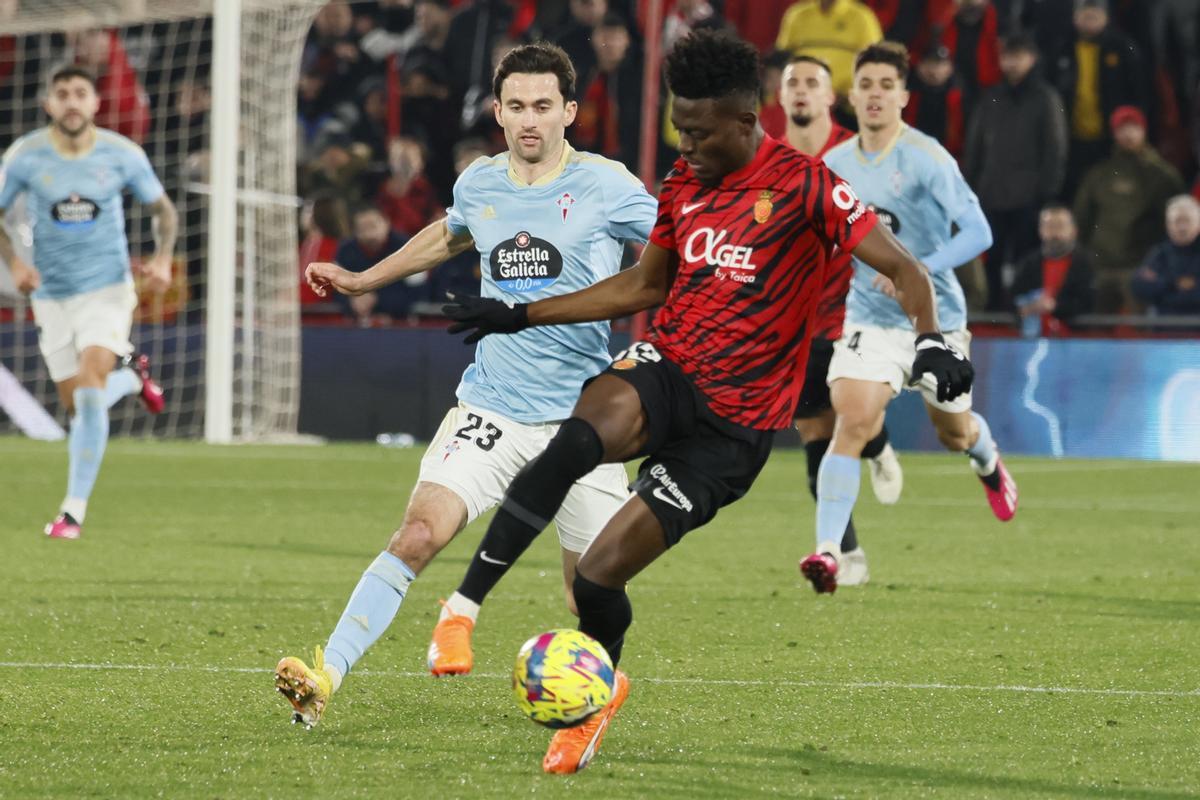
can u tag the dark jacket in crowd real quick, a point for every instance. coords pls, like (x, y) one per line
(395, 299)
(1121, 204)
(1123, 77)
(1016, 148)
(1167, 266)
(1076, 295)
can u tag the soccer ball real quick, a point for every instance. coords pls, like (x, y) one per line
(562, 677)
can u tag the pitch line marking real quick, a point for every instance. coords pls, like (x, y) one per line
(851, 685)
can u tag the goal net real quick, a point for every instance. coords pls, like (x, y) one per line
(154, 59)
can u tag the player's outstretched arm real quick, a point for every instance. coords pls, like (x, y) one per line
(25, 276)
(432, 245)
(642, 286)
(165, 224)
(881, 251)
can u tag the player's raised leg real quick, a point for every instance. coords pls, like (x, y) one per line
(434, 515)
(606, 426)
(859, 405)
(631, 540)
(968, 432)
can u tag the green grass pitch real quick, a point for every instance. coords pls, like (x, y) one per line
(1055, 656)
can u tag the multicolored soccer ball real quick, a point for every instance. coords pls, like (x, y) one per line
(562, 677)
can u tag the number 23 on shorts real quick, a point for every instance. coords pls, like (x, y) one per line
(484, 435)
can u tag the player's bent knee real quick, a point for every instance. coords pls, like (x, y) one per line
(415, 543)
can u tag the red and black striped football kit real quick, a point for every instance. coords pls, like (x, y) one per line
(753, 255)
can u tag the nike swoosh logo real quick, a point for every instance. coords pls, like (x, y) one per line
(661, 494)
(362, 620)
(690, 207)
(483, 556)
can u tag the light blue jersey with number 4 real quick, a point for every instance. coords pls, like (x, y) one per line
(915, 187)
(75, 207)
(559, 235)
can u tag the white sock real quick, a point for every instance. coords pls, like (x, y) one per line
(76, 507)
(335, 678)
(460, 606)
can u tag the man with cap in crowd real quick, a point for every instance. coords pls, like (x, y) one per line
(1120, 208)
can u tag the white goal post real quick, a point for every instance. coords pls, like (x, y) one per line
(208, 88)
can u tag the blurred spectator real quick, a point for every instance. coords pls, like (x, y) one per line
(1097, 71)
(407, 198)
(685, 17)
(833, 31)
(473, 32)
(935, 100)
(610, 96)
(460, 274)
(372, 240)
(323, 224)
(576, 35)
(368, 117)
(1051, 24)
(1120, 208)
(427, 114)
(900, 19)
(314, 106)
(338, 167)
(332, 48)
(1053, 282)
(1169, 282)
(124, 106)
(1015, 158)
(757, 21)
(771, 115)
(969, 30)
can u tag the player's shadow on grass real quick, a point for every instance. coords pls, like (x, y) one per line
(821, 765)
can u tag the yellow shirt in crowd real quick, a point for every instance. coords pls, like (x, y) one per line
(835, 36)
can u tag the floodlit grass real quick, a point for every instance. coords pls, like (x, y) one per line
(1054, 656)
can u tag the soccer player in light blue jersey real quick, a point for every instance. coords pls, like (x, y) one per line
(914, 186)
(545, 220)
(72, 175)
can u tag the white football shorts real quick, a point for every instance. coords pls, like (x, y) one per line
(885, 355)
(99, 318)
(477, 453)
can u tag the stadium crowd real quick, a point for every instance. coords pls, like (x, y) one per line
(1077, 123)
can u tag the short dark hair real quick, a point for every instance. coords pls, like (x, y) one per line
(1055, 207)
(72, 71)
(712, 64)
(537, 58)
(807, 59)
(366, 208)
(892, 53)
(1019, 42)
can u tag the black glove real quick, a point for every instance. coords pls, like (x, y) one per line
(483, 315)
(950, 368)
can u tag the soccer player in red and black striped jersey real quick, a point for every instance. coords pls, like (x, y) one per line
(736, 261)
(807, 96)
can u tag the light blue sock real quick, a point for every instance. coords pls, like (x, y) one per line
(983, 452)
(121, 383)
(85, 446)
(369, 611)
(837, 492)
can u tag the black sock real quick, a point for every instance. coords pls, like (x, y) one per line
(604, 614)
(815, 450)
(532, 500)
(874, 447)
